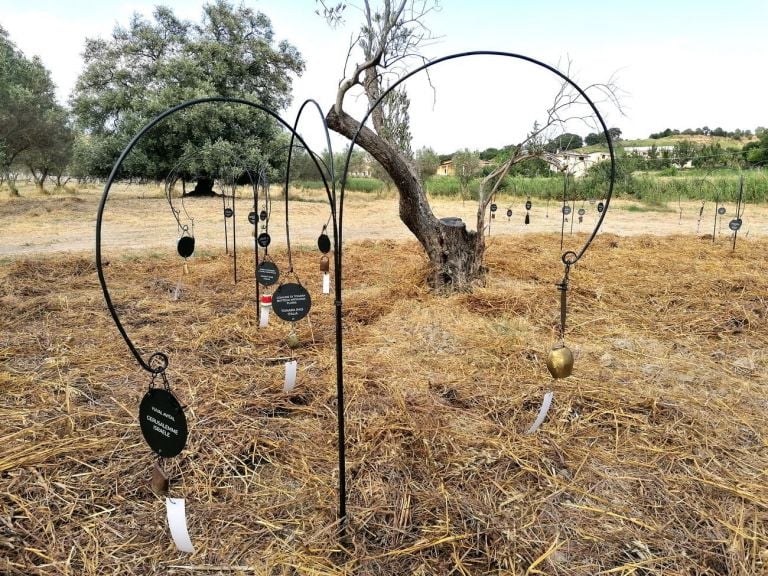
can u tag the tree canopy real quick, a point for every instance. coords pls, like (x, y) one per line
(151, 65)
(34, 131)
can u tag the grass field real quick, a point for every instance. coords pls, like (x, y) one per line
(651, 461)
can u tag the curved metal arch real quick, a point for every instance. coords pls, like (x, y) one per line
(158, 362)
(330, 191)
(568, 258)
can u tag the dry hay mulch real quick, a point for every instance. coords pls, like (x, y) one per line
(652, 460)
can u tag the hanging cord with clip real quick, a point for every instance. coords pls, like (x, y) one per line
(562, 286)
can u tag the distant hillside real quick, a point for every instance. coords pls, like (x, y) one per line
(724, 141)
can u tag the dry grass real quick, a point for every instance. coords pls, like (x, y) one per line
(652, 461)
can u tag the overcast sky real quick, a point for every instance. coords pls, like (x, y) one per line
(680, 63)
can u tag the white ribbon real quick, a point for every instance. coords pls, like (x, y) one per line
(545, 404)
(177, 522)
(290, 376)
(326, 283)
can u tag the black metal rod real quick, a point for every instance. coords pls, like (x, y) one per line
(234, 230)
(562, 210)
(738, 209)
(255, 244)
(224, 208)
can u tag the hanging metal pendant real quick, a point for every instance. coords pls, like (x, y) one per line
(186, 269)
(560, 361)
(528, 204)
(291, 302)
(186, 246)
(252, 217)
(325, 264)
(163, 423)
(509, 212)
(292, 339)
(527, 218)
(264, 239)
(324, 243)
(159, 481)
(267, 273)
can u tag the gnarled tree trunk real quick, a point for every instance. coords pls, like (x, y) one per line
(455, 254)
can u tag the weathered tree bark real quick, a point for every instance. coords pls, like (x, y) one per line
(204, 187)
(455, 254)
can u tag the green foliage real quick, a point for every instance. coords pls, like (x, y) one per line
(150, 66)
(595, 138)
(565, 141)
(756, 153)
(34, 128)
(368, 185)
(466, 166)
(427, 163)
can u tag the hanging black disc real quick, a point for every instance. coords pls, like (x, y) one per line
(528, 204)
(566, 210)
(600, 207)
(582, 211)
(267, 273)
(228, 212)
(263, 215)
(735, 224)
(185, 246)
(264, 239)
(291, 302)
(509, 213)
(163, 423)
(527, 218)
(721, 210)
(324, 243)
(252, 217)
(494, 207)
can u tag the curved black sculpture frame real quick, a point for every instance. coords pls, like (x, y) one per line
(158, 361)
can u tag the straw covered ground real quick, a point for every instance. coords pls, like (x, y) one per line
(652, 460)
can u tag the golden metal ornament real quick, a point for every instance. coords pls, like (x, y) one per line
(560, 361)
(186, 268)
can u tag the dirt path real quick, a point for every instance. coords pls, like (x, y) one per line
(135, 219)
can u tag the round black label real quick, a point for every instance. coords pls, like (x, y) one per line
(721, 210)
(582, 211)
(162, 422)
(185, 246)
(494, 207)
(324, 243)
(734, 224)
(228, 212)
(264, 239)
(528, 205)
(263, 215)
(566, 210)
(291, 302)
(600, 206)
(509, 213)
(267, 273)
(252, 217)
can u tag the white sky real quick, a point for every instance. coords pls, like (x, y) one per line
(681, 63)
